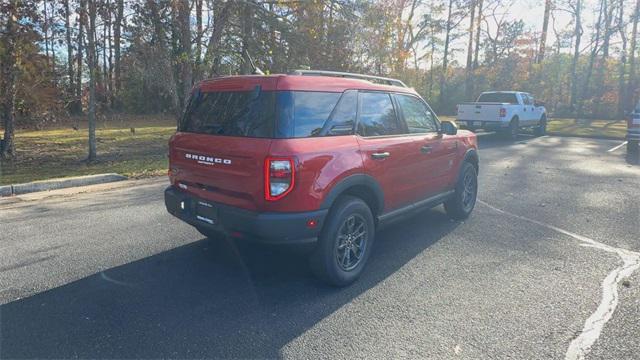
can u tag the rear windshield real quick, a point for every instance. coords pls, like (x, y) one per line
(270, 114)
(498, 98)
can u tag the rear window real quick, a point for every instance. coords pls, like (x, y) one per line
(277, 114)
(498, 98)
(237, 113)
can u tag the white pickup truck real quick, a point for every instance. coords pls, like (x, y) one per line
(503, 111)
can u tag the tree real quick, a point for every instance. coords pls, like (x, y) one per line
(545, 28)
(93, 69)
(577, 10)
(117, 31)
(9, 75)
(623, 59)
(633, 80)
(469, 79)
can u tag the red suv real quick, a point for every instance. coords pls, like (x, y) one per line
(315, 157)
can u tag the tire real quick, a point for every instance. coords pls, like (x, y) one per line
(331, 260)
(541, 129)
(513, 130)
(463, 200)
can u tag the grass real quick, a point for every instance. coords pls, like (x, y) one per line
(61, 152)
(614, 129)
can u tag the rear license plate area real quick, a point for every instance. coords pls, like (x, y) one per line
(206, 212)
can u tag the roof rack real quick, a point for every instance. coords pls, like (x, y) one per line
(386, 80)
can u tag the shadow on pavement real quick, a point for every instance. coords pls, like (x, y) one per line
(210, 298)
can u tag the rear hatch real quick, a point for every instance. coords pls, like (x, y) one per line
(222, 141)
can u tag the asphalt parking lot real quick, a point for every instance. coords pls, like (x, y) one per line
(536, 272)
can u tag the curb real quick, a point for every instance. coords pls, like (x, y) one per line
(53, 184)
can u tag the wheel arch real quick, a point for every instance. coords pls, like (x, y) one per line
(362, 186)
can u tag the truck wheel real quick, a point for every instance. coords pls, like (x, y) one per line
(513, 130)
(345, 242)
(463, 200)
(541, 129)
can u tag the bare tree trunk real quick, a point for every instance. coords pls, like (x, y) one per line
(632, 84)
(117, 30)
(82, 19)
(220, 20)
(576, 54)
(93, 68)
(198, 55)
(247, 35)
(478, 29)
(159, 39)
(592, 58)
(10, 74)
(45, 30)
(73, 103)
(545, 28)
(623, 60)
(185, 49)
(445, 57)
(469, 71)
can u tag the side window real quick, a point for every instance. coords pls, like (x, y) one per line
(417, 115)
(377, 116)
(343, 116)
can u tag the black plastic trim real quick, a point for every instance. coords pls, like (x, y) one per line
(355, 180)
(430, 202)
(268, 227)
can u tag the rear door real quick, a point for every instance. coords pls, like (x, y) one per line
(388, 153)
(221, 143)
(435, 153)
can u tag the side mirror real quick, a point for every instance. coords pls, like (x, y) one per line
(448, 128)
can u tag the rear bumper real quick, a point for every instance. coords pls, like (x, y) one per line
(480, 124)
(275, 228)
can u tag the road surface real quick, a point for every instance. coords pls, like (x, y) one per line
(534, 273)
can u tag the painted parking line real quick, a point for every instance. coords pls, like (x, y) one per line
(581, 345)
(617, 147)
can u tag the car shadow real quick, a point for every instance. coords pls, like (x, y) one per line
(210, 298)
(488, 140)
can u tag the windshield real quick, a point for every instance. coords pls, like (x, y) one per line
(508, 98)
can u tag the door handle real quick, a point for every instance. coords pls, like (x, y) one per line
(380, 156)
(426, 149)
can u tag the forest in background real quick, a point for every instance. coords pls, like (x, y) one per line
(97, 57)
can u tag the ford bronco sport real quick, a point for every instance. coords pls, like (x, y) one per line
(315, 157)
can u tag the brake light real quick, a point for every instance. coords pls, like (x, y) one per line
(279, 177)
(503, 112)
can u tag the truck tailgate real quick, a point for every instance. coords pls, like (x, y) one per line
(479, 112)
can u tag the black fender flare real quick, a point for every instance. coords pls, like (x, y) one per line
(355, 180)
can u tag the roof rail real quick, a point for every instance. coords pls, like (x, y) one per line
(388, 81)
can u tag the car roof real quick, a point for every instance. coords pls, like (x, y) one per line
(295, 83)
(504, 92)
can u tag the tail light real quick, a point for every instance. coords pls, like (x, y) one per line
(279, 177)
(503, 112)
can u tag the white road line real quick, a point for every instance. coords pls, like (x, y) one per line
(617, 147)
(580, 346)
